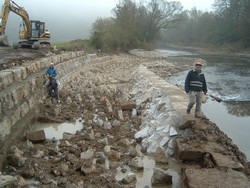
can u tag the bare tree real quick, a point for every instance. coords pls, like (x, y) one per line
(136, 25)
(162, 15)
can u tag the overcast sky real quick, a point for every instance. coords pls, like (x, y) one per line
(72, 19)
(204, 5)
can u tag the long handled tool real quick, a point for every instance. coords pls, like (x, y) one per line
(218, 99)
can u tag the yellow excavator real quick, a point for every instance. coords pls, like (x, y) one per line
(33, 33)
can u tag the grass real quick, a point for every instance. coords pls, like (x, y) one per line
(74, 45)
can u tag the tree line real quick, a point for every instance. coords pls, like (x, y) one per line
(142, 25)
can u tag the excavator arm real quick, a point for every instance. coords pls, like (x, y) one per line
(8, 6)
(3, 22)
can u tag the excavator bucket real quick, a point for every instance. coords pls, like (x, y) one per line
(4, 41)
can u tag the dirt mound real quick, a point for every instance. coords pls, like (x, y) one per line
(14, 57)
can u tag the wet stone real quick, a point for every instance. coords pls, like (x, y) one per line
(68, 136)
(129, 178)
(161, 156)
(136, 163)
(37, 136)
(160, 177)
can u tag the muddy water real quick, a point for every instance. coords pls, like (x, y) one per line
(56, 130)
(236, 127)
(227, 78)
(144, 177)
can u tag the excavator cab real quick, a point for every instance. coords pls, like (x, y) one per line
(37, 29)
(37, 36)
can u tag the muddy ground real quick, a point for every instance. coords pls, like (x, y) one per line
(102, 92)
(10, 57)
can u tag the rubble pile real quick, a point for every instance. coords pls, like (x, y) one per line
(125, 119)
(101, 99)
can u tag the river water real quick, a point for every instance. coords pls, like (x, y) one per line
(227, 78)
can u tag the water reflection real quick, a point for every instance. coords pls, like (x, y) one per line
(227, 78)
(175, 53)
(236, 127)
(56, 130)
(240, 108)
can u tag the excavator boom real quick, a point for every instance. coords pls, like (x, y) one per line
(3, 21)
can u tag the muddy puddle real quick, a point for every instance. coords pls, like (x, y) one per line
(56, 130)
(144, 177)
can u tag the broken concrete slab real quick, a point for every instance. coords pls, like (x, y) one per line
(197, 178)
(227, 161)
(187, 152)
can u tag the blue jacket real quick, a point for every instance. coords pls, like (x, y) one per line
(51, 71)
(195, 81)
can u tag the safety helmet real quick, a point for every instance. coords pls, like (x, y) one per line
(198, 64)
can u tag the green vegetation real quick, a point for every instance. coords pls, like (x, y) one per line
(146, 24)
(74, 45)
(134, 26)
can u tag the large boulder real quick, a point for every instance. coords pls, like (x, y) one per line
(37, 136)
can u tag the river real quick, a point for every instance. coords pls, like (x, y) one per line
(227, 78)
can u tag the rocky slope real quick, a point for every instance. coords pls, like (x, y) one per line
(109, 151)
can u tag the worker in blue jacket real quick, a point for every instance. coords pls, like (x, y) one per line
(195, 84)
(51, 71)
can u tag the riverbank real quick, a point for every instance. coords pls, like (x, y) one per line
(127, 110)
(202, 50)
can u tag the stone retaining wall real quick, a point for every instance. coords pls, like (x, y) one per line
(21, 90)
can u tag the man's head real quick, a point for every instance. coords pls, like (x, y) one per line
(198, 66)
(51, 64)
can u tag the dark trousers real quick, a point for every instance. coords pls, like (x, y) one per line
(53, 92)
